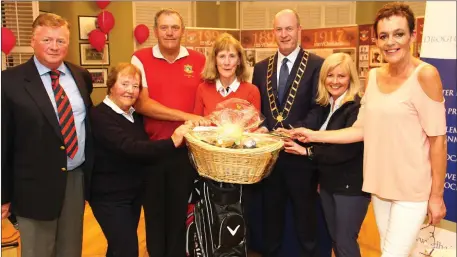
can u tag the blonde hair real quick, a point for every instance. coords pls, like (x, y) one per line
(122, 68)
(346, 63)
(225, 41)
(49, 20)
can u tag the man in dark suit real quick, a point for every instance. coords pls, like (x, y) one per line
(46, 143)
(288, 85)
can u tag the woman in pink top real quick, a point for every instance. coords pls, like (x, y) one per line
(403, 125)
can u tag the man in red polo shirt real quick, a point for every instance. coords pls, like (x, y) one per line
(170, 77)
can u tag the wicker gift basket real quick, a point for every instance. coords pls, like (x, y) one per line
(240, 166)
(227, 152)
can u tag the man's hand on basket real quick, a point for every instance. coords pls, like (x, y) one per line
(262, 129)
(178, 134)
(283, 130)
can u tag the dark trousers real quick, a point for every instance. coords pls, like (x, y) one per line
(167, 193)
(294, 178)
(119, 222)
(344, 215)
(249, 196)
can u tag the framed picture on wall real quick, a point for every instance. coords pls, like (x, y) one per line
(90, 56)
(250, 57)
(99, 76)
(375, 57)
(85, 25)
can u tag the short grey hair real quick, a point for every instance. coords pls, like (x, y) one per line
(167, 11)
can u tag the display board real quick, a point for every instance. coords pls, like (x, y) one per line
(369, 54)
(202, 39)
(419, 36)
(325, 41)
(436, 45)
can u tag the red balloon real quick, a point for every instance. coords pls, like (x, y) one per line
(97, 39)
(105, 21)
(141, 33)
(103, 4)
(8, 40)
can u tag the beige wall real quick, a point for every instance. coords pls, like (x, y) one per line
(223, 15)
(120, 37)
(45, 6)
(213, 15)
(366, 11)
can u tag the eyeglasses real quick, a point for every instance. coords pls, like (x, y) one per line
(429, 242)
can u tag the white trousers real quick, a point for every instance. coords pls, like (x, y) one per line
(398, 223)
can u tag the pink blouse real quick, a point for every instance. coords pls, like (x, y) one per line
(396, 129)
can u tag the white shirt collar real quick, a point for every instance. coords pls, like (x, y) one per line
(42, 70)
(128, 115)
(337, 104)
(157, 54)
(232, 87)
(333, 108)
(292, 56)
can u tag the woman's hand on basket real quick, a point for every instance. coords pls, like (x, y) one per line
(178, 134)
(292, 147)
(302, 134)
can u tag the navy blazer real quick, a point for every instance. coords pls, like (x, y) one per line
(33, 179)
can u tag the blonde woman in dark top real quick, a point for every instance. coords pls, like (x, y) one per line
(340, 166)
(123, 153)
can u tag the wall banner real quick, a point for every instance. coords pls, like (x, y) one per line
(438, 47)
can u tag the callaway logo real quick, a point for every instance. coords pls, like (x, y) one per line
(233, 232)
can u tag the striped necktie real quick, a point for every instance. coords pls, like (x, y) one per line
(66, 118)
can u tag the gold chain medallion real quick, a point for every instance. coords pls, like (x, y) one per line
(282, 115)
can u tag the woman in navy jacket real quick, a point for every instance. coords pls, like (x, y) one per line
(340, 166)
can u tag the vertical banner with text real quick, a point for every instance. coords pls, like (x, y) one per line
(438, 47)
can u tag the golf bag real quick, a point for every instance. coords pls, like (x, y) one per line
(217, 221)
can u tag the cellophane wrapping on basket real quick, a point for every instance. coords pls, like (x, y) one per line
(233, 119)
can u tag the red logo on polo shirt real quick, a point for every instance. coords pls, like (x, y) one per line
(188, 70)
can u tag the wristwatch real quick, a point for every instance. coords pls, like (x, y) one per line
(310, 152)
